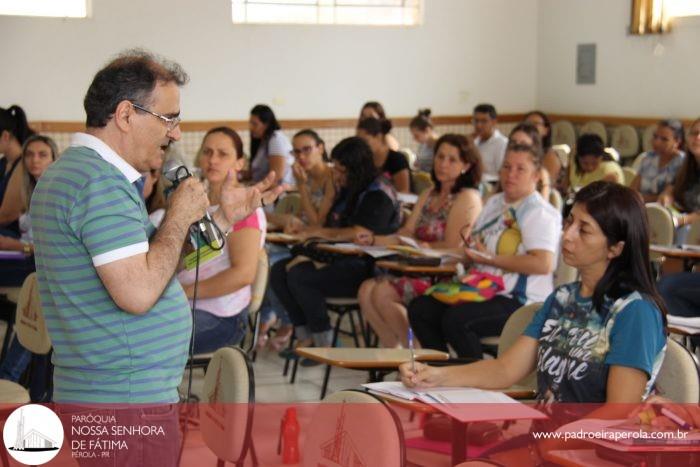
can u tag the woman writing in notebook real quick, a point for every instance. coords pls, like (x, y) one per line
(601, 339)
(436, 221)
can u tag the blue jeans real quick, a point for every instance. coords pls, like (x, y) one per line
(271, 305)
(213, 332)
(15, 364)
(681, 293)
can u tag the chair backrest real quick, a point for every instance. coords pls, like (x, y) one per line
(354, 428)
(564, 274)
(514, 327)
(257, 289)
(596, 128)
(410, 156)
(421, 182)
(290, 204)
(648, 137)
(625, 139)
(563, 153)
(555, 199)
(563, 132)
(29, 321)
(678, 378)
(629, 174)
(637, 163)
(694, 234)
(612, 152)
(660, 224)
(229, 396)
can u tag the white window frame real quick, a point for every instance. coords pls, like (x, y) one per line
(239, 7)
(47, 8)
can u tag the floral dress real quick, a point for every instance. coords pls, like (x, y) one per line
(430, 227)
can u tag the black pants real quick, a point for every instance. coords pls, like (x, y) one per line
(436, 324)
(303, 290)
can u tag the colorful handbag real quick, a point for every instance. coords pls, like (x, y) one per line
(474, 286)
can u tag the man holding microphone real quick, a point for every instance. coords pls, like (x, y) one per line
(119, 321)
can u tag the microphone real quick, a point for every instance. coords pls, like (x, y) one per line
(175, 174)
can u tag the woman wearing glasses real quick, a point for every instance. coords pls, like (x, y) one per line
(269, 147)
(314, 182)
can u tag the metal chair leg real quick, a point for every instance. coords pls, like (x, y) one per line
(326, 377)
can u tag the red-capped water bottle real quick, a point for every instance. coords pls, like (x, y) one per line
(290, 437)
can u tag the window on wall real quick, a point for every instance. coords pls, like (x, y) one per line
(358, 12)
(675, 8)
(55, 8)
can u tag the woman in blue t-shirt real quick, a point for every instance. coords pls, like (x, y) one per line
(601, 339)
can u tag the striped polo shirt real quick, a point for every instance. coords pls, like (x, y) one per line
(86, 213)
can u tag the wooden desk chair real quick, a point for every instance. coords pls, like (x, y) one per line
(227, 417)
(660, 224)
(514, 327)
(563, 132)
(257, 293)
(679, 378)
(596, 128)
(354, 427)
(625, 139)
(31, 330)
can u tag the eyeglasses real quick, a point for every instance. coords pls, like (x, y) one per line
(170, 122)
(305, 150)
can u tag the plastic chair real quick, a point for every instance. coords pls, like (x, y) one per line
(556, 200)
(354, 427)
(564, 274)
(227, 416)
(694, 234)
(514, 327)
(410, 156)
(421, 182)
(678, 378)
(637, 163)
(596, 128)
(563, 132)
(625, 139)
(648, 137)
(660, 224)
(629, 174)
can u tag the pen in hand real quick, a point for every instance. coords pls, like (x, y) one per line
(412, 349)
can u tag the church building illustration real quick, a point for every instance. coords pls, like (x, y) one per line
(32, 440)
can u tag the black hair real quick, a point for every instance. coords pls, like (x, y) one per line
(422, 121)
(132, 76)
(468, 154)
(267, 117)
(355, 155)
(375, 126)
(231, 133)
(547, 139)
(530, 130)
(621, 215)
(676, 126)
(486, 109)
(687, 175)
(590, 144)
(14, 121)
(313, 135)
(376, 106)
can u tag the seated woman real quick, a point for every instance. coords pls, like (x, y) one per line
(527, 134)
(374, 109)
(269, 147)
(591, 164)
(14, 132)
(223, 290)
(314, 183)
(424, 134)
(658, 167)
(37, 154)
(684, 195)
(366, 203)
(436, 221)
(550, 160)
(392, 164)
(516, 237)
(607, 330)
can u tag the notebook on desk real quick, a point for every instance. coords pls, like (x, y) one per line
(463, 404)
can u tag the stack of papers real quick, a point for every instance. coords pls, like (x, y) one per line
(373, 251)
(463, 404)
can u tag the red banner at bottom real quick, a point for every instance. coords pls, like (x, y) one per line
(356, 429)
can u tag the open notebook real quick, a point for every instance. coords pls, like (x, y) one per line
(463, 404)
